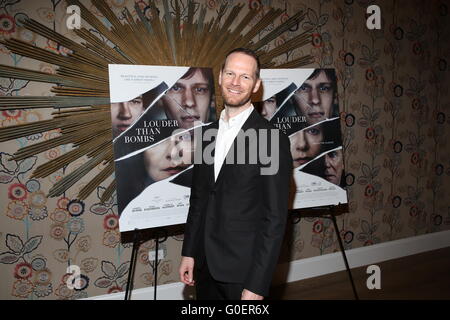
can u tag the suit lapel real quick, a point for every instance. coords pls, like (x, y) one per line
(210, 167)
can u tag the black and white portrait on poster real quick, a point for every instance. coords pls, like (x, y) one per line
(303, 103)
(154, 112)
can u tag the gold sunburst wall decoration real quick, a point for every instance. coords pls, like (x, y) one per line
(80, 95)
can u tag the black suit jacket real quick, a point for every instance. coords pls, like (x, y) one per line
(237, 222)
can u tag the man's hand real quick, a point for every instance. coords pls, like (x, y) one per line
(186, 271)
(248, 295)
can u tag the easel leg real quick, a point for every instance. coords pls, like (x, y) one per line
(134, 251)
(344, 256)
(159, 233)
(155, 282)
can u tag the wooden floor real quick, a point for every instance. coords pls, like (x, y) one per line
(421, 276)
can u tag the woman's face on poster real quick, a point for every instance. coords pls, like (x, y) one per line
(314, 99)
(169, 157)
(306, 144)
(188, 100)
(334, 166)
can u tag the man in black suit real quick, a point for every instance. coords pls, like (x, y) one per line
(238, 209)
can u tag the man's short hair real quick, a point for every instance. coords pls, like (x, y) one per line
(329, 73)
(248, 52)
(206, 73)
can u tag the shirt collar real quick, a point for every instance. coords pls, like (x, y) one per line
(236, 120)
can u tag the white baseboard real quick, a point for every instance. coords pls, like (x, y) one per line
(171, 291)
(312, 267)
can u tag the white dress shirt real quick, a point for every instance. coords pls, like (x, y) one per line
(226, 135)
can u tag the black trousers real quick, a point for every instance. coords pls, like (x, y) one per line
(207, 288)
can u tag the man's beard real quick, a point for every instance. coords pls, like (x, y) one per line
(237, 104)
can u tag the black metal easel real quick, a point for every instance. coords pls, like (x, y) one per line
(130, 281)
(136, 244)
(158, 232)
(330, 212)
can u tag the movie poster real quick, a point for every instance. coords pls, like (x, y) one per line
(303, 104)
(154, 112)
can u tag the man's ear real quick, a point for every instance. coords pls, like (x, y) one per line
(220, 78)
(257, 85)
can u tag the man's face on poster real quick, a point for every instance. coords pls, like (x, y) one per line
(306, 145)
(169, 157)
(189, 100)
(124, 114)
(334, 166)
(268, 108)
(314, 99)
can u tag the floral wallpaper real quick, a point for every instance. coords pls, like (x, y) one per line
(395, 119)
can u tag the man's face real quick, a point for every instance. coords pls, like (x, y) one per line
(123, 114)
(238, 79)
(169, 157)
(334, 165)
(268, 108)
(314, 98)
(188, 101)
(306, 145)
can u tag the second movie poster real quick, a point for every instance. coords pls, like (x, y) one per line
(303, 103)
